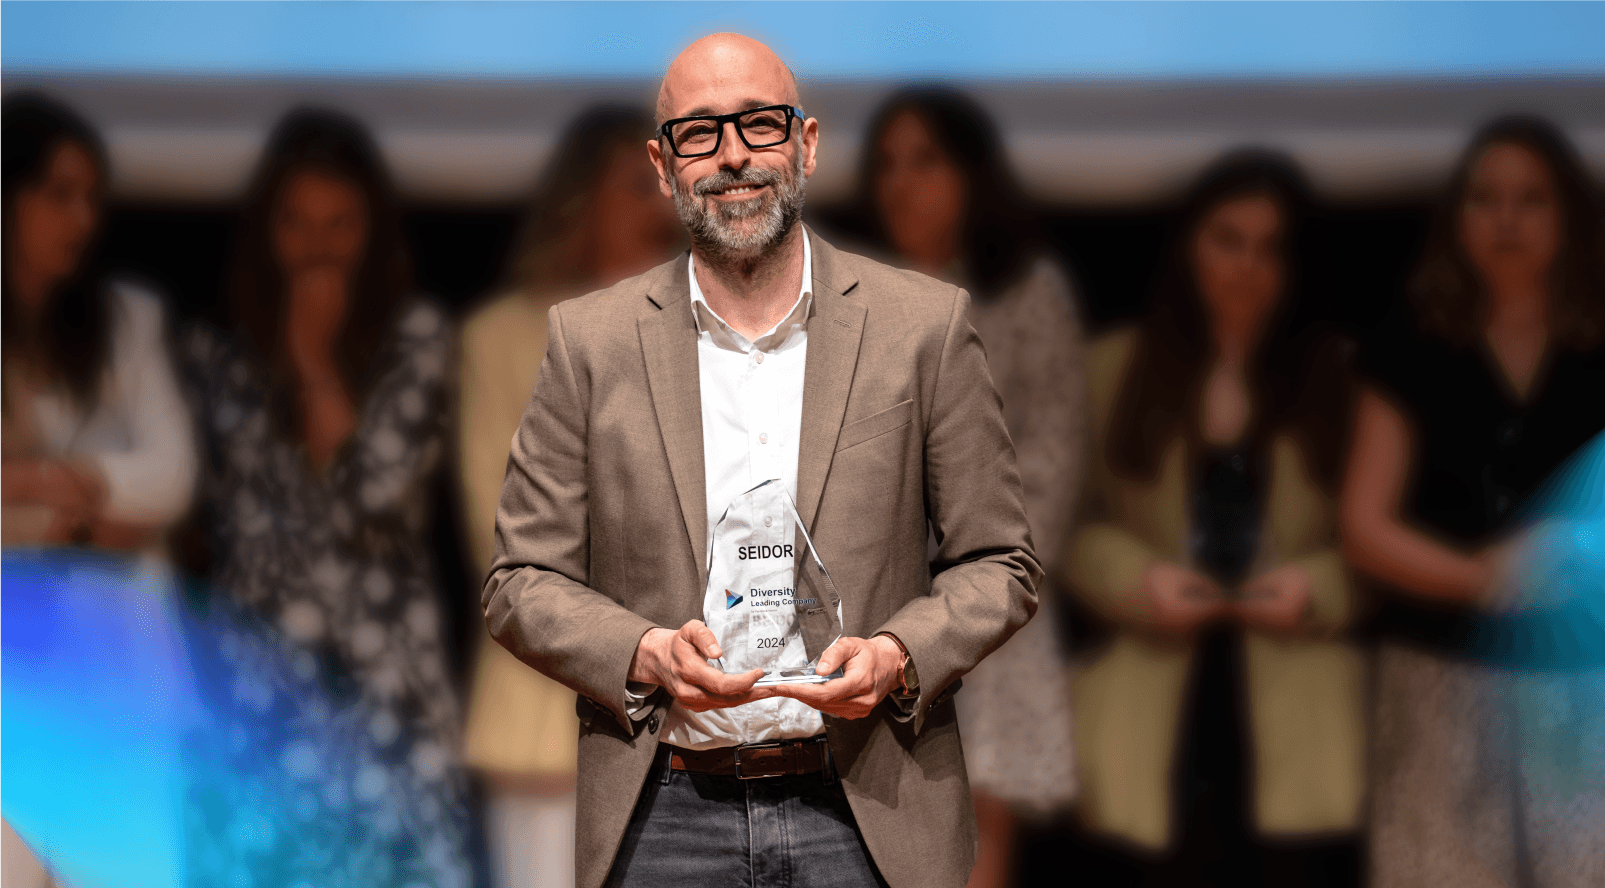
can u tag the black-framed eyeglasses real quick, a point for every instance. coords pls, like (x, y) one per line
(759, 128)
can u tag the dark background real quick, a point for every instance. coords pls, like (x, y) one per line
(459, 253)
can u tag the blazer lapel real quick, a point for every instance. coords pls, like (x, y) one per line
(834, 332)
(669, 344)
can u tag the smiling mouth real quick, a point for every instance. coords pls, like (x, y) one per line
(738, 191)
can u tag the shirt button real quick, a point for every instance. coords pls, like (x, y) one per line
(760, 357)
(763, 437)
(767, 521)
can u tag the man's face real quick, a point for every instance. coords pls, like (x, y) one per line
(738, 202)
(741, 211)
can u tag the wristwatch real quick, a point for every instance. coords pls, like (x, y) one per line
(906, 675)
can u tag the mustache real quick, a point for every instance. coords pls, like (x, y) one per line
(732, 178)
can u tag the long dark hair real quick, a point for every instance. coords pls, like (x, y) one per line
(545, 253)
(1000, 228)
(1446, 292)
(337, 145)
(73, 334)
(1295, 378)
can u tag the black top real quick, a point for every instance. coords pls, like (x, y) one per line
(1481, 453)
(1227, 506)
(1212, 776)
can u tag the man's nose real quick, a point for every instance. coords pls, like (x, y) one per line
(733, 151)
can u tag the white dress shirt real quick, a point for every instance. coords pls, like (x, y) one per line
(752, 392)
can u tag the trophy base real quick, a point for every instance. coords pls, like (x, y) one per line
(805, 675)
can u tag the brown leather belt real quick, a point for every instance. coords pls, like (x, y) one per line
(780, 758)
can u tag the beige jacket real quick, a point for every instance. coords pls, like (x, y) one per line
(602, 530)
(1304, 693)
(519, 721)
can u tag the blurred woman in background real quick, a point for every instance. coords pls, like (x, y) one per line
(1219, 730)
(98, 443)
(1482, 386)
(941, 199)
(595, 218)
(324, 416)
(98, 446)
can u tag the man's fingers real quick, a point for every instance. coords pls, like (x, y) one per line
(699, 685)
(832, 658)
(818, 696)
(704, 687)
(821, 695)
(856, 705)
(702, 692)
(719, 684)
(702, 639)
(696, 700)
(852, 696)
(713, 681)
(734, 685)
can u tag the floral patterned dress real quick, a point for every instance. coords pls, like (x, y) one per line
(329, 759)
(1014, 709)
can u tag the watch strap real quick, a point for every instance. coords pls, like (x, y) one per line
(903, 670)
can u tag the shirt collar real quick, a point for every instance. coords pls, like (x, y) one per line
(795, 321)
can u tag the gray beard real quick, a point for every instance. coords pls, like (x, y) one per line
(714, 231)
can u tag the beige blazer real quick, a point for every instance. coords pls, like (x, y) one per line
(602, 527)
(519, 722)
(1304, 692)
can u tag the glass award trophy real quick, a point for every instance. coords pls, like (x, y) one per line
(769, 600)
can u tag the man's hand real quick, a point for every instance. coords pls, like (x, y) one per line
(678, 661)
(1277, 600)
(870, 671)
(1181, 601)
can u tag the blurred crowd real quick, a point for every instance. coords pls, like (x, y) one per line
(1284, 613)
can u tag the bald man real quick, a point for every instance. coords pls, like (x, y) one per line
(763, 354)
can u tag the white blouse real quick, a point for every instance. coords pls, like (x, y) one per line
(138, 431)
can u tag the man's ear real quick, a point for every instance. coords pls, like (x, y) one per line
(654, 150)
(810, 145)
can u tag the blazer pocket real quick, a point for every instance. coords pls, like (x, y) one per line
(873, 426)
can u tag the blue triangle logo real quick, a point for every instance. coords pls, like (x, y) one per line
(730, 600)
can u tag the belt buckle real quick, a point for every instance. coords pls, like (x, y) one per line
(768, 744)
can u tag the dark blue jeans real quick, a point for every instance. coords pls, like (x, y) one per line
(696, 831)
